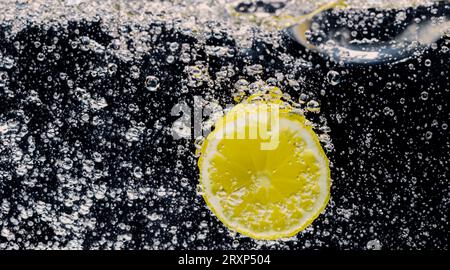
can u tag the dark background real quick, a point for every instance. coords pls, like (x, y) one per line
(390, 178)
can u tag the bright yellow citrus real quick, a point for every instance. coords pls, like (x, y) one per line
(261, 188)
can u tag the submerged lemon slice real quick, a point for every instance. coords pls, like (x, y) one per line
(264, 184)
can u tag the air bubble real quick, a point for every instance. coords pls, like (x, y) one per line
(313, 106)
(170, 59)
(132, 134)
(112, 68)
(333, 77)
(241, 85)
(88, 165)
(184, 182)
(3, 79)
(174, 46)
(388, 111)
(40, 57)
(152, 83)
(424, 95)
(8, 62)
(137, 172)
(185, 57)
(97, 157)
(21, 170)
(135, 72)
(374, 245)
(67, 164)
(115, 44)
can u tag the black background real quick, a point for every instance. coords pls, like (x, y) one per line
(394, 189)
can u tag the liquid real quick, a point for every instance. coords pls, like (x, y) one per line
(90, 92)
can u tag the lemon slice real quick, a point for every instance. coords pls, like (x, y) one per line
(267, 186)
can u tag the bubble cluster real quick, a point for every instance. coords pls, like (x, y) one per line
(88, 156)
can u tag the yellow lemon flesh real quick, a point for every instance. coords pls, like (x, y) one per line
(265, 187)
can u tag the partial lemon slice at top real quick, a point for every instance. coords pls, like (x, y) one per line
(263, 172)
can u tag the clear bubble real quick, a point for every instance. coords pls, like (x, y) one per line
(152, 83)
(137, 172)
(135, 72)
(112, 68)
(333, 77)
(67, 164)
(133, 134)
(63, 76)
(185, 57)
(88, 165)
(3, 78)
(313, 106)
(388, 111)
(254, 70)
(115, 44)
(174, 46)
(184, 182)
(97, 157)
(8, 62)
(21, 170)
(170, 59)
(424, 95)
(40, 57)
(373, 244)
(241, 85)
